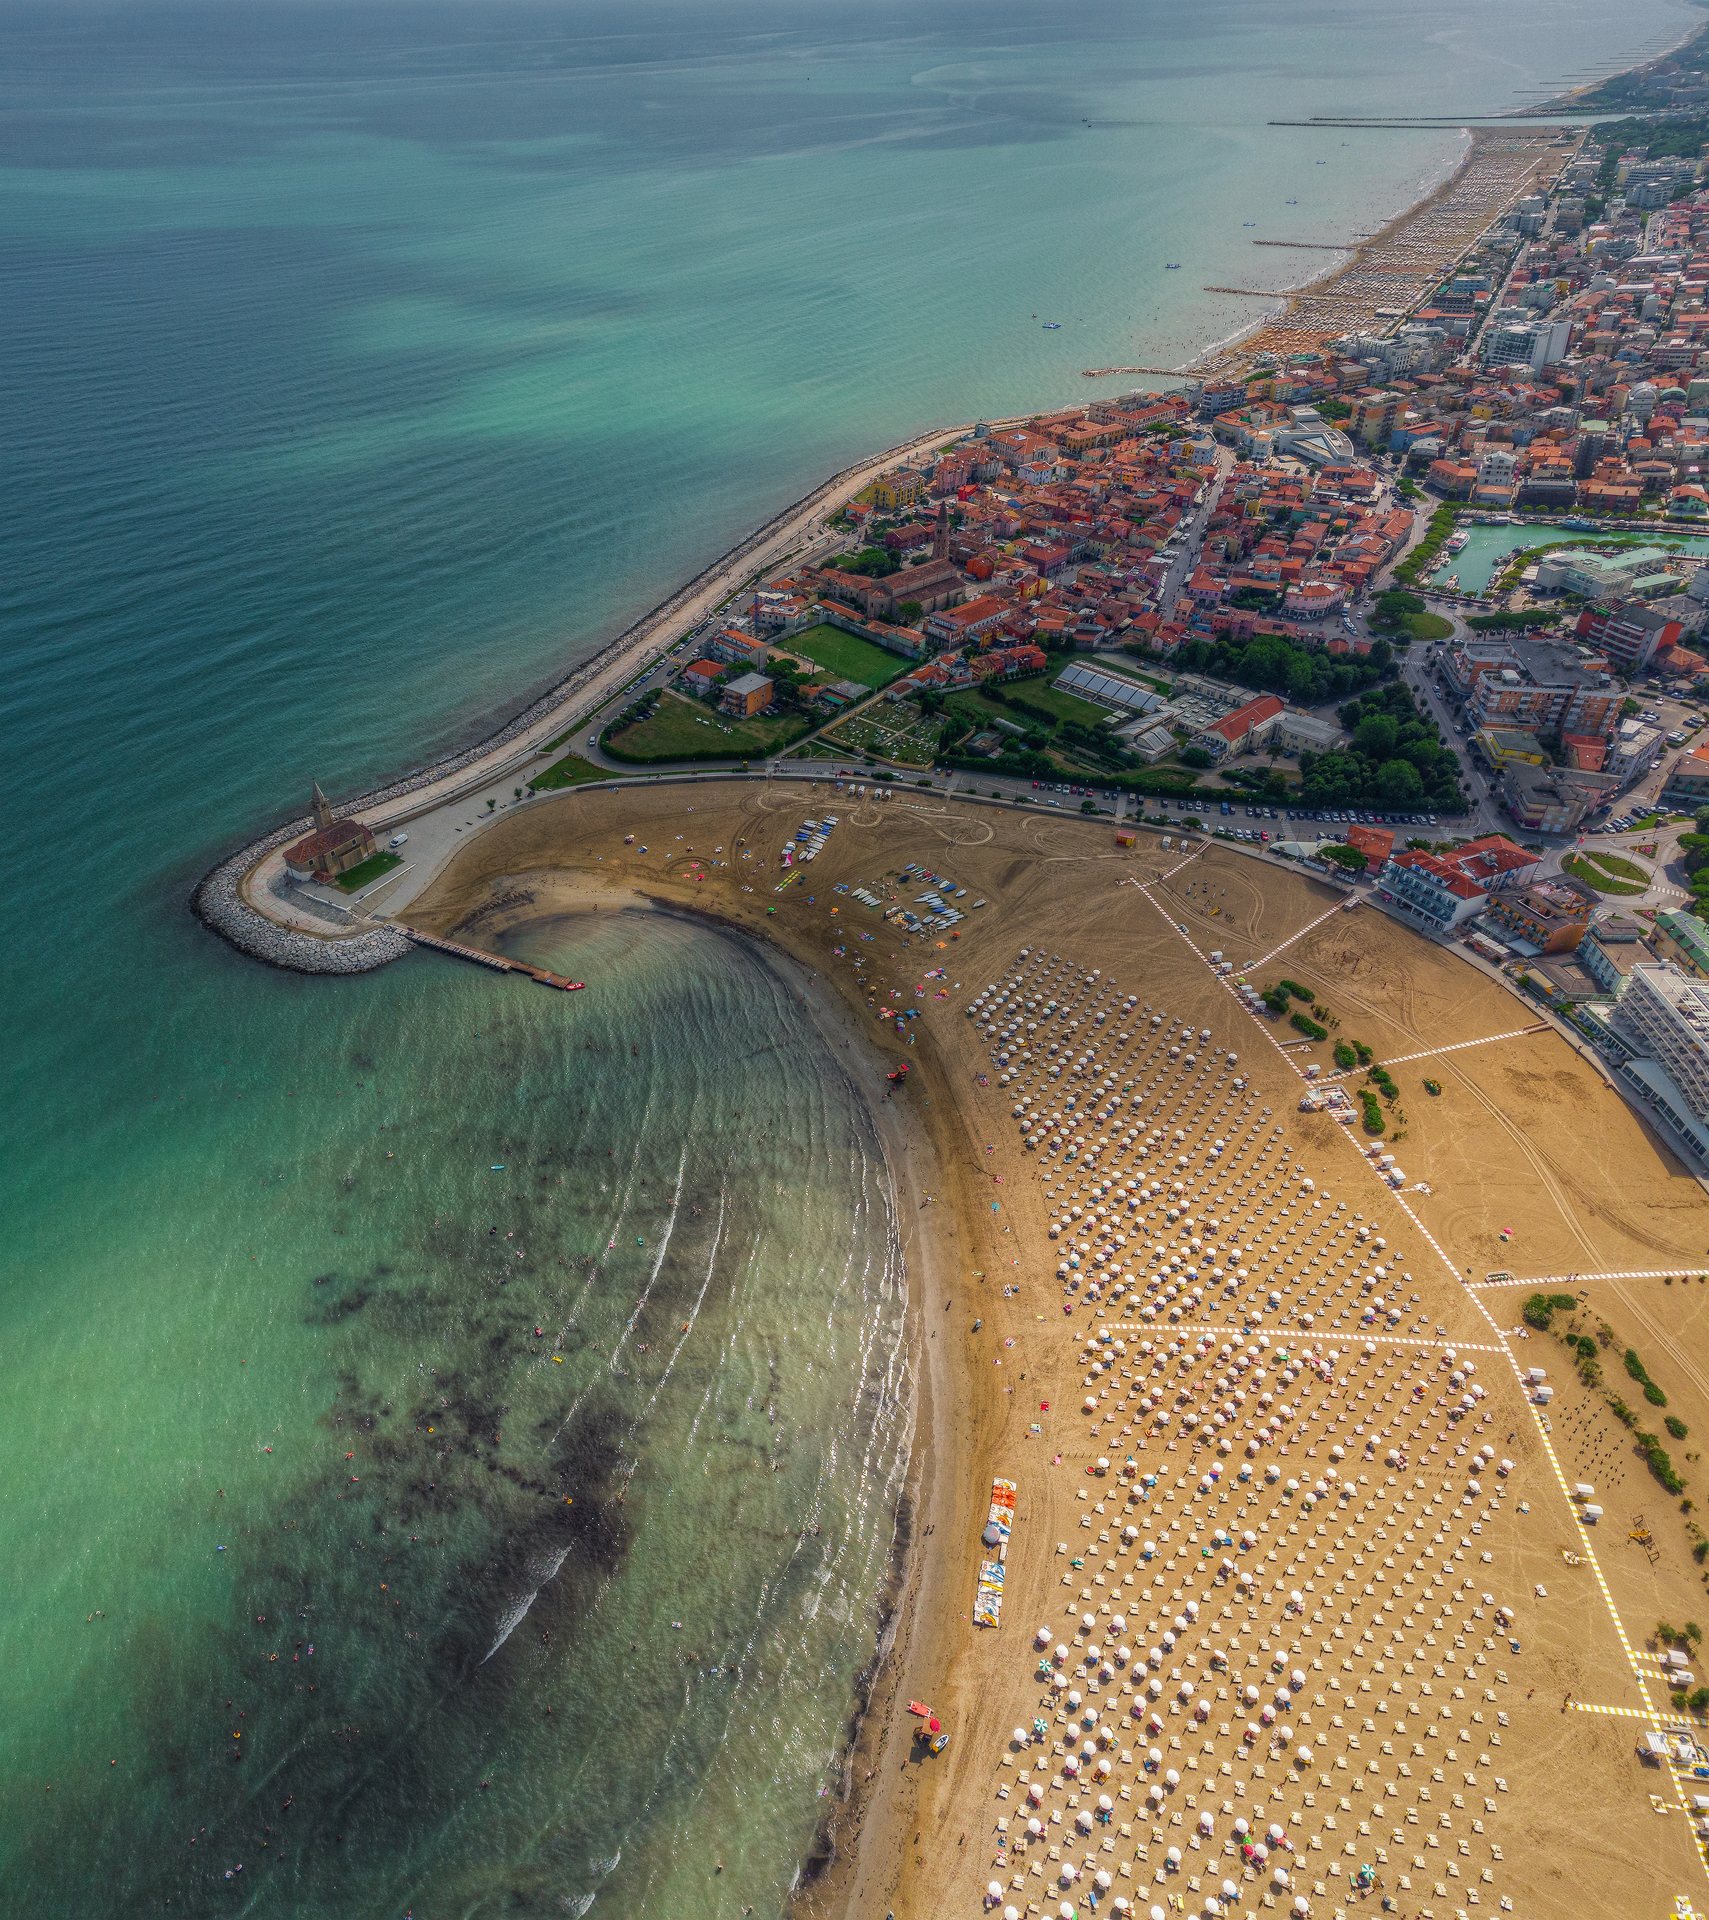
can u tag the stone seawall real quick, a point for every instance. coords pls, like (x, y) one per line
(216, 901)
(217, 904)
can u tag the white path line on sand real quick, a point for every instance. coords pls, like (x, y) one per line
(1503, 1346)
(1459, 1046)
(1265, 958)
(1573, 1279)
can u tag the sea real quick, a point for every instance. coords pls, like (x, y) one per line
(473, 1423)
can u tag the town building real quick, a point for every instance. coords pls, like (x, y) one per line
(1553, 799)
(1305, 733)
(334, 847)
(900, 488)
(1375, 843)
(1687, 782)
(1439, 892)
(699, 675)
(1683, 939)
(1548, 917)
(1610, 949)
(748, 695)
(1237, 731)
(955, 626)
(1507, 746)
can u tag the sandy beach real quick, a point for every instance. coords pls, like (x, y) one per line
(1525, 1167)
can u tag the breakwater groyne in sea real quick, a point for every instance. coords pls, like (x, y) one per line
(218, 900)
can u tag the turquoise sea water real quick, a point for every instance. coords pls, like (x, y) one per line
(365, 367)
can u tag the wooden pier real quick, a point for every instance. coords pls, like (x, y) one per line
(495, 961)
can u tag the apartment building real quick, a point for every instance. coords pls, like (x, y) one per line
(1553, 799)
(1610, 949)
(1662, 1022)
(1630, 633)
(1550, 917)
(1530, 685)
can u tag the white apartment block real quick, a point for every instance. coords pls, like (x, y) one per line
(1663, 1017)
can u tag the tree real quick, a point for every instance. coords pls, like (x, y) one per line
(909, 611)
(1381, 654)
(1195, 757)
(1398, 782)
(1695, 847)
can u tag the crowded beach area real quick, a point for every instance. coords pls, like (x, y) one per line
(1259, 1556)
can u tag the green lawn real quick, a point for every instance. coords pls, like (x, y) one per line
(979, 709)
(847, 655)
(1415, 626)
(1066, 706)
(1613, 863)
(370, 869)
(568, 772)
(682, 728)
(1580, 868)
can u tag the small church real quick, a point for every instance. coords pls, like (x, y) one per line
(333, 848)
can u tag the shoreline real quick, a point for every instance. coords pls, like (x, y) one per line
(1494, 1166)
(913, 1163)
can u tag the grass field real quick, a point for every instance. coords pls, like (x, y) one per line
(370, 869)
(1580, 867)
(568, 772)
(848, 656)
(1415, 626)
(1066, 706)
(1613, 863)
(683, 728)
(978, 709)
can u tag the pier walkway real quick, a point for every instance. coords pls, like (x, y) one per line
(482, 958)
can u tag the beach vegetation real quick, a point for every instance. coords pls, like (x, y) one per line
(1395, 757)
(1372, 1111)
(1404, 614)
(1345, 1057)
(1309, 676)
(1588, 868)
(1304, 1023)
(1513, 619)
